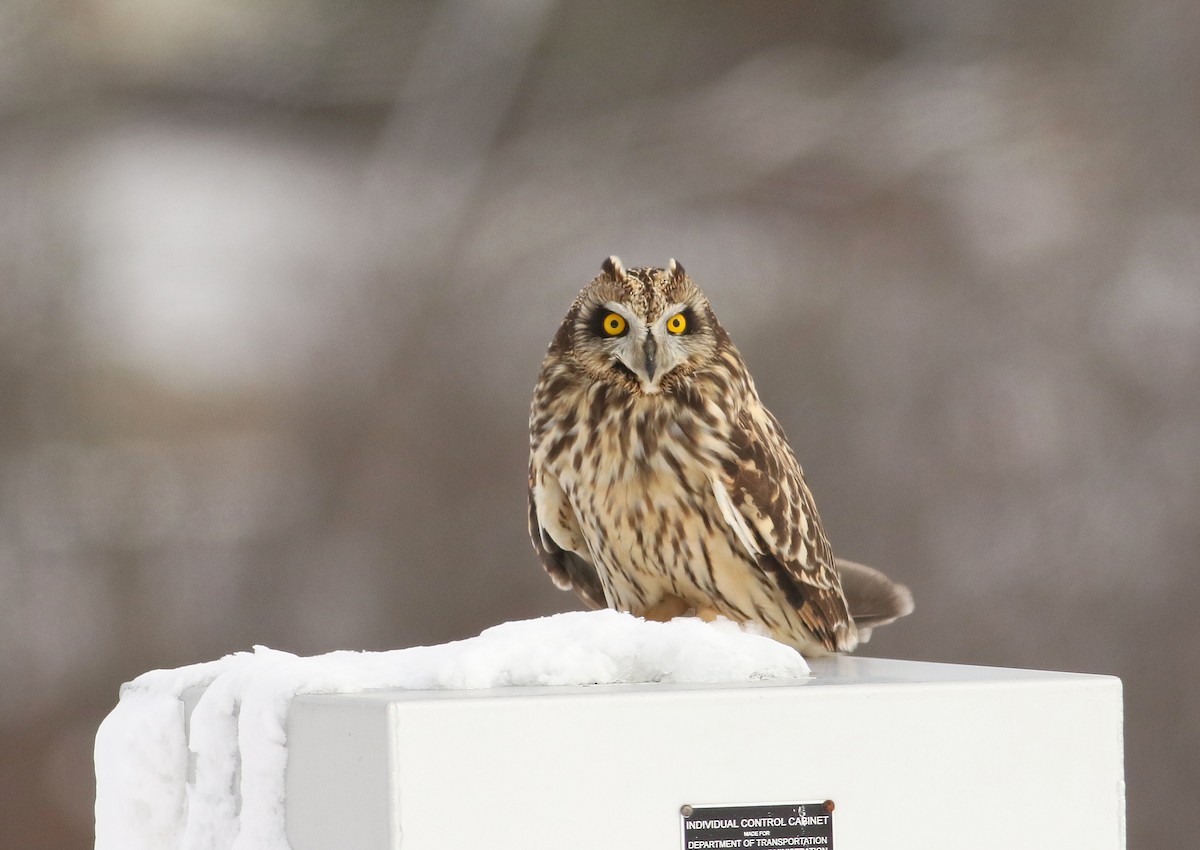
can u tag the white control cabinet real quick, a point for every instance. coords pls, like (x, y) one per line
(911, 756)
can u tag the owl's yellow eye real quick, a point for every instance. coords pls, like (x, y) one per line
(614, 324)
(677, 324)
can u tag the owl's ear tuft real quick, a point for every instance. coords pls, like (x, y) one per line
(613, 268)
(675, 270)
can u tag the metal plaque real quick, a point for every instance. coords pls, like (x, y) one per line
(767, 825)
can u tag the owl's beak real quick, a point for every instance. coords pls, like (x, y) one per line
(650, 350)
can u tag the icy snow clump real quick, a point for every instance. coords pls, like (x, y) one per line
(233, 798)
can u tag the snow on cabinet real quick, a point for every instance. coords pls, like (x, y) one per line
(598, 730)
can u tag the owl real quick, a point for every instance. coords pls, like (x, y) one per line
(660, 485)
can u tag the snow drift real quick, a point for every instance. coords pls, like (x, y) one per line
(217, 782)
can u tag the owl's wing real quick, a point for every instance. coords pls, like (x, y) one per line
(764, 499)
(551, 516)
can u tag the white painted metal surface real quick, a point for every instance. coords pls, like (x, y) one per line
(916, 756)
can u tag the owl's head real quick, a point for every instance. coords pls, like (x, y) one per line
(646, 328)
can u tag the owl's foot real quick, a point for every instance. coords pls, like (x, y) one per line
(667, 608)
(707, 614)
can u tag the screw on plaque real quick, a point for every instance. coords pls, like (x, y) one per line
(828, 806)
(686, 811)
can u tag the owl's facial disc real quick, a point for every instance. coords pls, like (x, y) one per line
(647, 352)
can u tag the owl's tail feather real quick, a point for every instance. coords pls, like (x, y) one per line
(874, 599)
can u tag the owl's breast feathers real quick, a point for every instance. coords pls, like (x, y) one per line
(692, 492)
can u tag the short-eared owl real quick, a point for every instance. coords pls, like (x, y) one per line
(659, 484)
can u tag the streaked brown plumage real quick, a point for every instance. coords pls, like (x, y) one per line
(659, 483)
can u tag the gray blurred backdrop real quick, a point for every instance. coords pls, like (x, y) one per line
(276, 279)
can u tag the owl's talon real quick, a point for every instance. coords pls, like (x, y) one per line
(667, 608)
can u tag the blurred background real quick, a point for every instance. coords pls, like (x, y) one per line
(276, 279)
